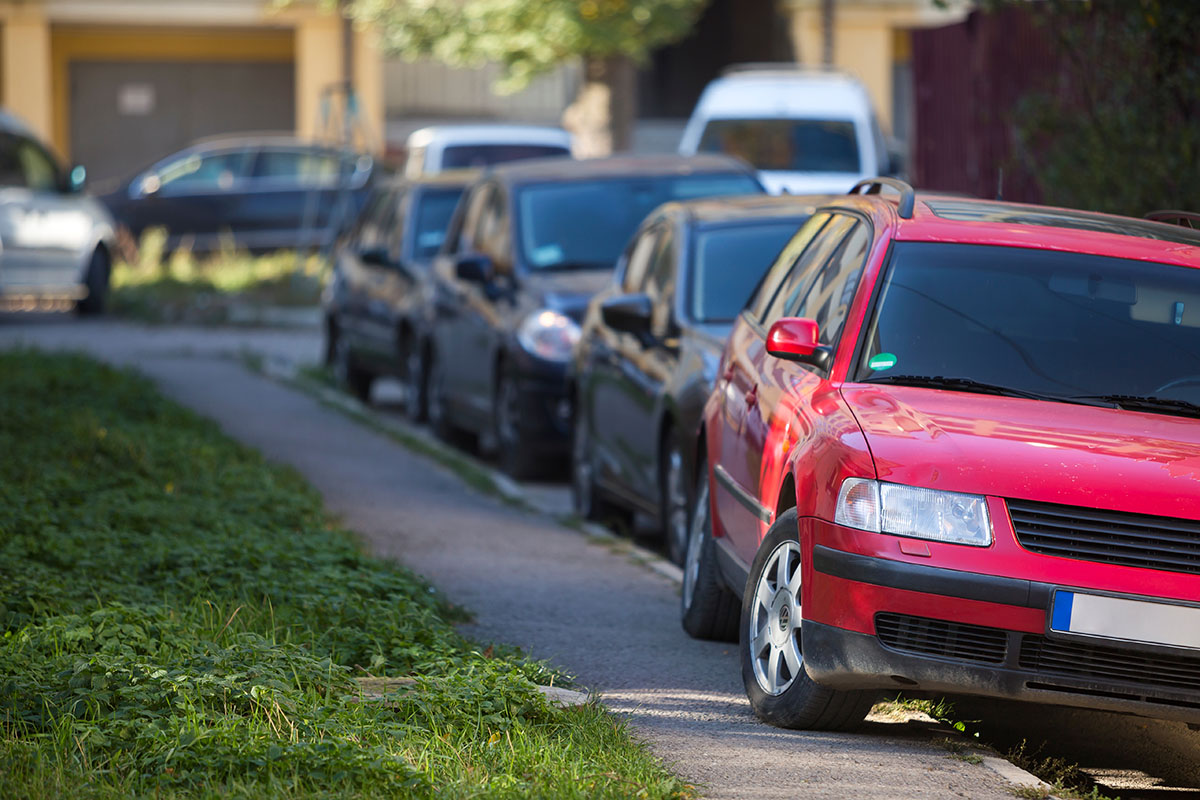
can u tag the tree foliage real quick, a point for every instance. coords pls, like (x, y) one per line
(1119, 128)
(526, 37)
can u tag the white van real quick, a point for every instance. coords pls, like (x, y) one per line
(805, 131)
(447, 147)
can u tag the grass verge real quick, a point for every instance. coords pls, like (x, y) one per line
(155, 286)
(179, 618)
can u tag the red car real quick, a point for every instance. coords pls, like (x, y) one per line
(955, 448)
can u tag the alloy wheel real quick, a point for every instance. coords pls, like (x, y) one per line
(774, 632)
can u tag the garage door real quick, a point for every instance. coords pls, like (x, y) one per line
(125, 115)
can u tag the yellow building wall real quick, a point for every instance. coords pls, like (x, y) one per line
(26, 52)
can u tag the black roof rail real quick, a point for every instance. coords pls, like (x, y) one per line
(1186, 219)
(908, 195)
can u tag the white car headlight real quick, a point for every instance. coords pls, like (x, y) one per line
(548, 334)
(912, 511)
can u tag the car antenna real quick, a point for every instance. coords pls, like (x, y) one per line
(1000, 184)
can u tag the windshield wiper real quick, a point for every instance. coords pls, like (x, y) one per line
(981, 387)
(1137, 402)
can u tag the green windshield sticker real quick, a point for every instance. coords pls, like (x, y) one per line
(882, 361)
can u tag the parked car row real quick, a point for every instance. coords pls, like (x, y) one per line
(900, 442)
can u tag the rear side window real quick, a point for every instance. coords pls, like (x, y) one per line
(789, 145)
(205, 173)
(433, 213)
(301, 167)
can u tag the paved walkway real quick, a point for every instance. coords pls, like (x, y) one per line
(530, 581)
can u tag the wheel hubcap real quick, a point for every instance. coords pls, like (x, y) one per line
(775, 621)
(699, 529)
(435, 392)
(506, 414)
(341, 360)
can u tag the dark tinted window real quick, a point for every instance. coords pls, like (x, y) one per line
(728, 263)
(461, 156)
(433, 213)
(800, 145)
(1038, 320)
(795, 287)
(586, 223)
(828, 299)
(303, 167)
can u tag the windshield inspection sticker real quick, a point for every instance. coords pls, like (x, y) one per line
(882, 361)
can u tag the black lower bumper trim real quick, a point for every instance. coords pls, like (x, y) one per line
(931, 580)
(843, 659)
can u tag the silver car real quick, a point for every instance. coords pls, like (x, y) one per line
(56, 243)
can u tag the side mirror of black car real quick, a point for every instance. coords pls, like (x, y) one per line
(628, 313)
(474, 268)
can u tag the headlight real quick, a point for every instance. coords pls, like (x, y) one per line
(548, 334)
(911, 511)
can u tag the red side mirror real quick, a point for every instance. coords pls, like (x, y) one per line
(794, 339)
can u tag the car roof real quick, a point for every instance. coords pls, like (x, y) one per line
(489, 134)
(570, 169)
(716, 210)
(946, 218)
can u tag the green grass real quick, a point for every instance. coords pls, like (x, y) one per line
(179, 618)
(152, 286)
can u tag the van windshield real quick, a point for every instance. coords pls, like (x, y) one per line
(789, 145)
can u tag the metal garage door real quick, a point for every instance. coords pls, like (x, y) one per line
(125, 115)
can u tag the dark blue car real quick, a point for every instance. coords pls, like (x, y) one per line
(255, 193)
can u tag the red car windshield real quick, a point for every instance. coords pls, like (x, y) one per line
(1035, 321)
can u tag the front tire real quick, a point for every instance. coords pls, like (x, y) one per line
(96, 281)
(708, 610)
(416, 378)
(349, 375)
(777, 685)
(515, 454)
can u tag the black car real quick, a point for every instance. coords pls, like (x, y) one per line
(256, 193)
(377, 303)
(530, 244)
(648, 352)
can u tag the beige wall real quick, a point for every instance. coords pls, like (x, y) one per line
(865, 44)
(26, 68)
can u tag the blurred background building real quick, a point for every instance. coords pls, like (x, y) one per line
(114, 84)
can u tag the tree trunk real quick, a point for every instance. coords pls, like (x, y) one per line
(601, 118)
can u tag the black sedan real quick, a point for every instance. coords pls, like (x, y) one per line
(647, 355)
(256, 193)
(530, 244)
(377, 303)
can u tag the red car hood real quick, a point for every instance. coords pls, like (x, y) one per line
(1031, 449)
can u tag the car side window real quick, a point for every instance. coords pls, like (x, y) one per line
(660, 281)
(829, 298)
(783, 264)
(638, 258)
(376, 220)
(307, 168)
(804, 271)
(468, 235)
(493, 236)
(205, 173)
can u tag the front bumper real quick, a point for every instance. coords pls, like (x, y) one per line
(544, 419)
(915, 644)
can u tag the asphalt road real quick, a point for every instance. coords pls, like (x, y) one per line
(611, 622)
